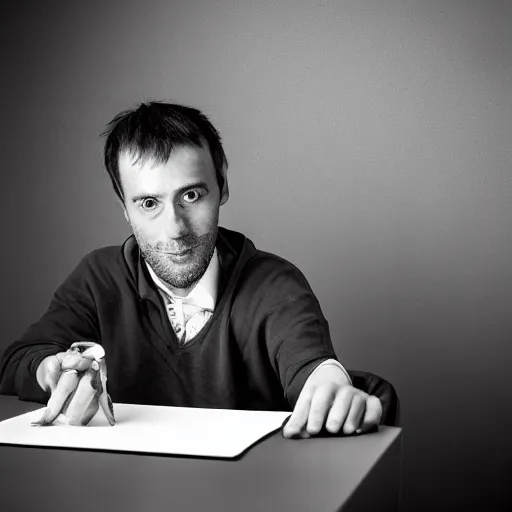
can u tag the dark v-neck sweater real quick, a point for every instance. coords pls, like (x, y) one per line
(265, 337)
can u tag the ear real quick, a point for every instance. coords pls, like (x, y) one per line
(224, 193)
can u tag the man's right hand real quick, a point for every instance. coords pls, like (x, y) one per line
(77, 380)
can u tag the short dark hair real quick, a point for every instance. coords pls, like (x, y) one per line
(153, 130)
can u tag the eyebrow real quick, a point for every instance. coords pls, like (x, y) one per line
(185, 188)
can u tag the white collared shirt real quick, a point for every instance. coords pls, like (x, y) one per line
(189, 314)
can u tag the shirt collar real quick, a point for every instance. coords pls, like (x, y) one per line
(204, 293)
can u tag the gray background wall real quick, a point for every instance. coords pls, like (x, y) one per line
(369, 143)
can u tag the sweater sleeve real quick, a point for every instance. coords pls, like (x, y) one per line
(71, 316)
(298, 342)
(296, 333)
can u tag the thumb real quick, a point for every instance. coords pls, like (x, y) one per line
(49, 371)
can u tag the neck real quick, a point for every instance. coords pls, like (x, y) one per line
(180, 292)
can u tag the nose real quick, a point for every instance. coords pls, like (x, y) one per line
(176, 222)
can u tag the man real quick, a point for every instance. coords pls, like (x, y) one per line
(187, 313)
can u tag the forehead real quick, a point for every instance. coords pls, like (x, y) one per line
(186, 165)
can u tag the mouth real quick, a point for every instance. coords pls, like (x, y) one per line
(179, 254)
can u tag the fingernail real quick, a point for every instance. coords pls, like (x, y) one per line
(359, 430)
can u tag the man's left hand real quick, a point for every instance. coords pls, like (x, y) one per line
(328, 400)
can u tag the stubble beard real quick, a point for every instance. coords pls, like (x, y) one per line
(185, 275)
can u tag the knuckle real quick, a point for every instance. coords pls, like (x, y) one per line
(374, 404)
(346, 392)
(359, 399)
(360, 394)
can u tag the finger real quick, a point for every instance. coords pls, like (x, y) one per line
(95, 352)
(81, 399)
(52, 372)
(320, 405)
(108, 408)
(373, 413)
(61, 420)
(67, 384)
(91, 411)
(300, 414)
(339, 410)
(88, 349)
(75, 361)
(104, 399)
(82, 345)
(355, 414)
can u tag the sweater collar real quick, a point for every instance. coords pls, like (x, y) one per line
(231, 246)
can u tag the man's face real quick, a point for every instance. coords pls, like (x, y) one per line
(173, 209)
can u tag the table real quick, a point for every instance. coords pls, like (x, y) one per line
(323, 474)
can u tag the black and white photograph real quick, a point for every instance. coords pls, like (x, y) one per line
(256, 255)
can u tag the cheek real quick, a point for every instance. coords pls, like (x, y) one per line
(203, 219)
(144, 229)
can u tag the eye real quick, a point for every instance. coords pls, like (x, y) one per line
(149, 204)
(192, 196)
